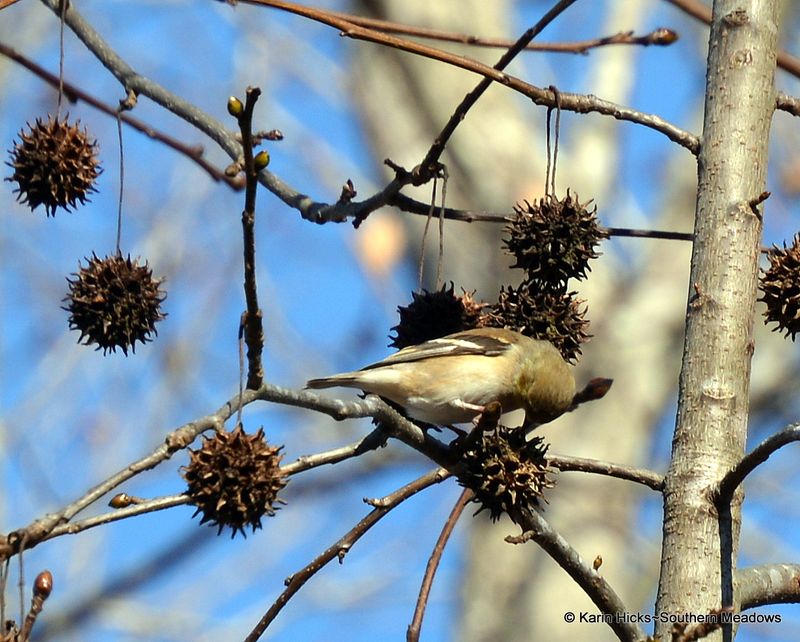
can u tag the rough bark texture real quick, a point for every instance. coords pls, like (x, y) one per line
(699, 549)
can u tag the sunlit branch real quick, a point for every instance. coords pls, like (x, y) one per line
(342, 546)
(536, 528)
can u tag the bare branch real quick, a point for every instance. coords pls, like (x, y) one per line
(768, 584)
(408, 204)
(342, 546)
(536, 528)
(789, 104)
(432, 157)
(252, 319)
(373, 440)
(659, 37)
(642, 476)
(139, 508)
(545, 97)
(310, 209)
(29, 536)
(412, 635)
(394, 424)
(734, 477)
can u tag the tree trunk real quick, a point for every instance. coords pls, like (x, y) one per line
(699, 546)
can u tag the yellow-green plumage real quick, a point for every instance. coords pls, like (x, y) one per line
(449, 380)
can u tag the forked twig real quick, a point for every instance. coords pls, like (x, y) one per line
(343, 545)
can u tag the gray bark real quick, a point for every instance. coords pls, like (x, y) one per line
(699, 546)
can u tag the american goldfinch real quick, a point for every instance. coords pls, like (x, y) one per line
(449, 380)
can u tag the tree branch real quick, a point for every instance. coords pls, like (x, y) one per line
(427, 166)
(768, 584)
(29, 536)
(412, 635)
(536, 528)
(252, 321)
(372, 441)
(342, 546)
(580, 464)
(659, 37)
(322, 212)
(733, 478)
(789, 104)
(139, 508)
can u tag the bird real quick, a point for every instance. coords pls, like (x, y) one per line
(449, 380)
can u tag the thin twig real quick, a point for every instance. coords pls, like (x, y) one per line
(642, 476)
(434, 153)
(394, 424)
(61, 58)
(342, 546)
(544, 97)
(790, 104)
(412, 206)
(659, 37)
(121, 181)
(139, 508)
(373, 440)
(733, 478)
(650, 234)
(536, 528)
(30, 535)
(73, 93)
(317, 211)
(412, 635)
(252, 318)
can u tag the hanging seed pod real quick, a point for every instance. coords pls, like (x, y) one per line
(234, 480)
(114, 302)
(555, 316)
(553, 240)
(431, 315)
(55, 165)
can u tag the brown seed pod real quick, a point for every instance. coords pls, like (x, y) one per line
(234, 479)
(55, 165)
(555, 316)
(506, 472)
(553, 240)
(780, 288)
(114, 302)
(431, 315)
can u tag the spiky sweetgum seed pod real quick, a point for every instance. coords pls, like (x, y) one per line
(234, 480)
(431, 315)
(780, 287)
(553, 240)
(553, 315)
(506, 472)
(114, 302)
(55, 165)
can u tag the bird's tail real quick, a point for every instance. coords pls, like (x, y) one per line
(346, 380)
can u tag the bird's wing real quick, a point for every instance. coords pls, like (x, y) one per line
(450, 346)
